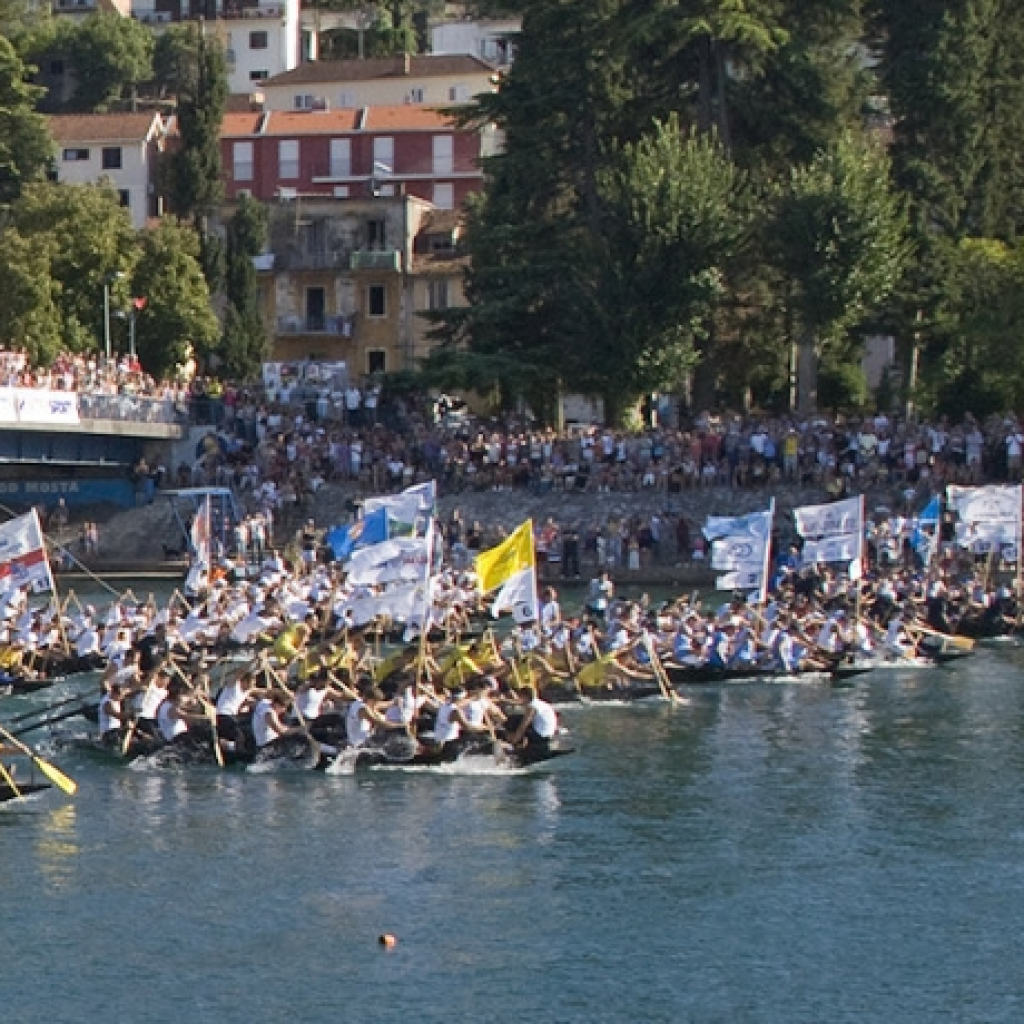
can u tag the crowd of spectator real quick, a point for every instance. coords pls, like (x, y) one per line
(299, 447)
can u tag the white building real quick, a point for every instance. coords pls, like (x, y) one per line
(427, 80)
(492, 41)
(121, 149)
(261, 38)
(263, 41)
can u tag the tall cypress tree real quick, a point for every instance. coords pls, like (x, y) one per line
(200, 77)
(244, 341)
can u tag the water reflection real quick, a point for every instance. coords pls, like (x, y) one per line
(58, 848)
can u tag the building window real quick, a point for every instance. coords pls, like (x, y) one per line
(376, 361)
(241, 159)
(75, 155)
(124, 197)
(257, 40)
(259, 76)
(376, 235)
(437, 294)
(341, 158)
(383, 155)
(288, 158)
(444, 195)
(444, 150)
(112, 158)
(346, 100)
(458, 94)
(414, 96)
(376, 301)
(304, 101)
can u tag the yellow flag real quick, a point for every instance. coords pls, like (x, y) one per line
(512, 555)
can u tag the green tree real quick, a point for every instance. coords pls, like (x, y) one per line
(111, 57)
(837, 235)
(26, 150)
(678, 218)
(30, 317)
(177, 319)
(200, 78)
(244, 344)
(89, 242)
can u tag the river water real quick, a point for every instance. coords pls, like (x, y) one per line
(764, 853)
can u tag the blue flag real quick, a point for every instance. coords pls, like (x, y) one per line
(371, 529)
(930, 513)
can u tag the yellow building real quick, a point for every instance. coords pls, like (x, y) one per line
(347, 280)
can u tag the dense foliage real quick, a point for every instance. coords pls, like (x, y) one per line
(696, 195)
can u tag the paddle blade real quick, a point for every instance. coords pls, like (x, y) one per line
(56, 776)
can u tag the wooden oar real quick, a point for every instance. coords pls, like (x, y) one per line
(52, 772)
(211, 712)
(25, 730)
(965, 643)
(659, 670)
(9, 779)
(42, 712)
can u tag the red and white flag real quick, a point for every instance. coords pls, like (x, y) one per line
(23, 558)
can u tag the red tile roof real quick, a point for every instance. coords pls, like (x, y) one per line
(68, 128)
(335, 122)
(408, 117)
(424, 66)
(313, 122)
(237, 125)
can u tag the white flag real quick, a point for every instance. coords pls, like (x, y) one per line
(404, 558)
(518, 595)
(837, 519)
(756, 524)
(992, 504)
(414, 503)
(742, 579)
(841, 548)
(738, 551)
(23, 559)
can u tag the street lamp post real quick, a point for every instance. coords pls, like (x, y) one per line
(117, 275)
(106, 317)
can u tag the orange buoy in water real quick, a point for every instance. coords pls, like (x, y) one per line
(388, 941)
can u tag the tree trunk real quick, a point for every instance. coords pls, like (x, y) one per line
(807, 373)
(705, 101)
(724, 130)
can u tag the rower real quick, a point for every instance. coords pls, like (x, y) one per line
(172, 721)
(539, 725)
(450, 723)
(267, 723)
(112, 716)
(362, 717)
(155, 691)
(153, 648)
(480, 713)
(232, 699)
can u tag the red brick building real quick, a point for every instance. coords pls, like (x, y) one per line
(352, 153)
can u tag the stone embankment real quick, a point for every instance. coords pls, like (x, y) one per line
(135, 539)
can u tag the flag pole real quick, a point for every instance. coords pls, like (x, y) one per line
(860, 561)
(767, 554)
(427, 604)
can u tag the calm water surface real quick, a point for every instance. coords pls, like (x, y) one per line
(780, 854)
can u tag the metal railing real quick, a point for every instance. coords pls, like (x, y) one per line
(131, 409)
(341, 325)
(376, 259)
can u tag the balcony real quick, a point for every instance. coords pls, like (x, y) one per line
(313, 259)
(376, 259)
(339, 325)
